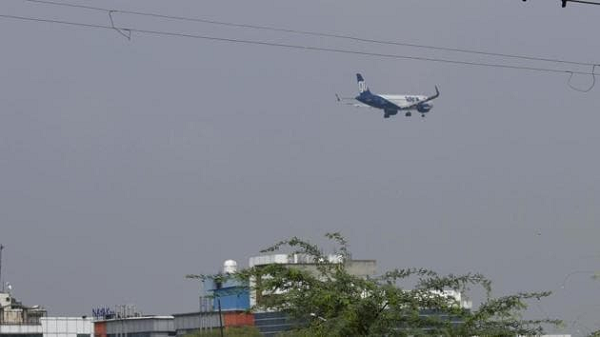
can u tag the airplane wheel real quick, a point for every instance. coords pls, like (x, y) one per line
(408, 114)
(423, 115)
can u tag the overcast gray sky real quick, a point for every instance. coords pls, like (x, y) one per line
(127, 164)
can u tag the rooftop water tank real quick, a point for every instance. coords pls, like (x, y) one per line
(229, 267)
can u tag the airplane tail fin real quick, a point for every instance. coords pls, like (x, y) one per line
(362, 85)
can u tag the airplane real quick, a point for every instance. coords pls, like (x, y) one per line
(390, 104)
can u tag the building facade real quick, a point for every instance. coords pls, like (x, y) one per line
(145, 326)
(196, 321)
(67, 326)
(18, 320)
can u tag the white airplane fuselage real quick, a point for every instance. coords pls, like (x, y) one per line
(391, 104)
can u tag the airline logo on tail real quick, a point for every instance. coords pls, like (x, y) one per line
(362, 85)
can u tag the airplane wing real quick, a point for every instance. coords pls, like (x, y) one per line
(351, 101)
(412, 106)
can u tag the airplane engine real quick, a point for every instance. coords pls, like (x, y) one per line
(425, 107)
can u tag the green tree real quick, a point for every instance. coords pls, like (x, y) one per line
(327, 300)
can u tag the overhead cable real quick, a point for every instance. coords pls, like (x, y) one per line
(296, 46)
(318, 34)
(124, 32)
(584, 2)
(588, 89)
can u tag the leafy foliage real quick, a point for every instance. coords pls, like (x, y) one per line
(329, 300)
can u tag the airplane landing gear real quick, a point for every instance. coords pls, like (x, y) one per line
(423, 115)
(408, 114)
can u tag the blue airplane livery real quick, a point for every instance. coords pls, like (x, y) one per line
(390, 104)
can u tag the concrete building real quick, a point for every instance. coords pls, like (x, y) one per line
(273, 323)
(223, 293)
(210, 321)
(196, 321)
(360, 268)
(13, 312)
(18, 320)
(145, 326)
(67, 326)
(224, 302)
(236, 297)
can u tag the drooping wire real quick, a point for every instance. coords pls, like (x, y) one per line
(319, 34)
(593, 73)
(576, 272)
(124, 32)
(301, 47)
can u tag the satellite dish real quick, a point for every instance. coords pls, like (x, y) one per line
(9, 286)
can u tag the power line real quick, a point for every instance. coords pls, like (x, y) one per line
(585, 2)
(292, 46)
(564, 2)
(319, 34)
(297, 47)
(589, 88)
(582, 2)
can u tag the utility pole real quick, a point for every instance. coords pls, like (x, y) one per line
(1, 280)
(217, 296)
(220, 315)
